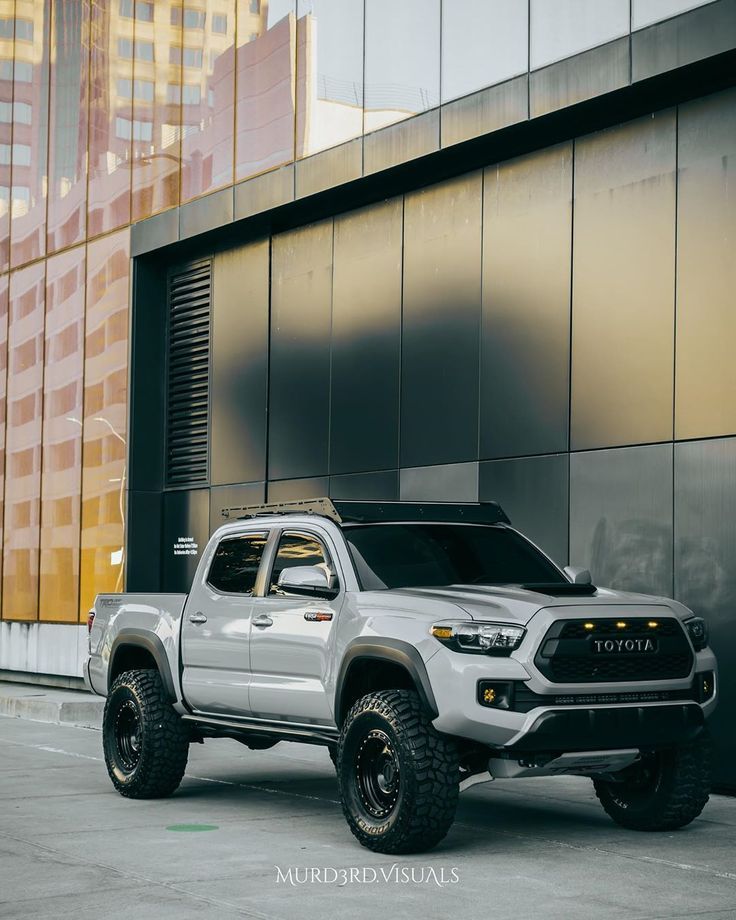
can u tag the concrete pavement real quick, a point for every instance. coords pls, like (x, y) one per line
(240, 837)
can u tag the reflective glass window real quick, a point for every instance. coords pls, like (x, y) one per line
(297, 549)
(21, 529)
(108, 196)
(156, 130)
(30, 140)
(561, 28)
(329, 73)
(3, 394)
(265, 81)
(7, 8)
(105, 407)
(402, 60)
(645, 12)
(67, 183)
(235, 566)
(208, 98)
(61, 467)
(483, 42)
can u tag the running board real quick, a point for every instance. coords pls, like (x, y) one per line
(284, 731)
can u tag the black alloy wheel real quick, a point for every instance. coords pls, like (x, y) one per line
(378, 774)
(398, 776)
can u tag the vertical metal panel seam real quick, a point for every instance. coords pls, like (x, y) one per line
(573, 149)
(674, 336)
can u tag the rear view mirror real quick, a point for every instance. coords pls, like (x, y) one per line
(307, 580)
(577, 575)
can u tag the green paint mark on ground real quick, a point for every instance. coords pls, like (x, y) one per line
(192, 827)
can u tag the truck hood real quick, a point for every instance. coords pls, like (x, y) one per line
(511, 604)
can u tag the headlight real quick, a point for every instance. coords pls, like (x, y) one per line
(697, 629)
(479, 638)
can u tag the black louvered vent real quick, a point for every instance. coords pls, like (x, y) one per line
(187, 418)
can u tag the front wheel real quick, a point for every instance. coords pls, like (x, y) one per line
(145, 742)
(398, 777)
(663, 791)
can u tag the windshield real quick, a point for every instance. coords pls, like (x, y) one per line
(431, 555)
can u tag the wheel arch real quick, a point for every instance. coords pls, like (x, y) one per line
(396, 656)
(133, 650)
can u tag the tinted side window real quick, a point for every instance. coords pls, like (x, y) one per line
(235, 565)
(296, 549)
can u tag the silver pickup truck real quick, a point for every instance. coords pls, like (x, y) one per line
(428, 646)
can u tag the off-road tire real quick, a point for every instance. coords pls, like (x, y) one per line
(426, 792)
(675, 793)
(162, 739)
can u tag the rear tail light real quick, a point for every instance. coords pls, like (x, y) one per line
(90, 620)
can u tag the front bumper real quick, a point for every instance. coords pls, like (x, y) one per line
(454, 678)
(598, 729)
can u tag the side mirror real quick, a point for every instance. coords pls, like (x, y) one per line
(307, 580)
(577, 575)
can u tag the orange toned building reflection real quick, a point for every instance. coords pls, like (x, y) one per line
(61, 471)
(23, 444)
(105, 411)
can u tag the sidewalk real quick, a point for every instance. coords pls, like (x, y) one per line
(51, 704)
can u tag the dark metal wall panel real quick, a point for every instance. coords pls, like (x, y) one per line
(382, 485)
(706, 268)
(249, 493)
(366, 339)
(525, 351)
(621, 517)
(592, 73)
(301, 309)
(184, 535)
(143, 538)
(446, 482)
(147, 389)
(705, 578)
(485, 111)
(239, 382)
(623, 284)
(683, 39)
(533, 491)
(401, 142)
(290, 489)
(441, 323)
(329, 168)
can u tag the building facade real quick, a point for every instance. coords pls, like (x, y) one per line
(435, 249)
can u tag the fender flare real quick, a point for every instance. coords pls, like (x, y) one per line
(395, 651)
(129, 637)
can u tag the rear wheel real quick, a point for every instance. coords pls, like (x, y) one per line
(663, 791)
(145, 742)
(398, 776)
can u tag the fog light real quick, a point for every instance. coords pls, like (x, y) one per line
(705, 686)
(494, 695)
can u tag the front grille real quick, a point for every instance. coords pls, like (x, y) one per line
(575, 629)
(567, 656)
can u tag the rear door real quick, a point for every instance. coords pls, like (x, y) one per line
(216, 626)
(292, 637)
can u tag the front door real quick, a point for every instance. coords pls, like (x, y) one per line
(216, 627)
(291, 636)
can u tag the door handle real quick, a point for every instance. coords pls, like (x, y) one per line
(262, 621)
(197, 618)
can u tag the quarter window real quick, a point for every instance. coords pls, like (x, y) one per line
(235, 566)
(297, 549)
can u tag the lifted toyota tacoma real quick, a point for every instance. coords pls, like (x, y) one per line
(428, 647)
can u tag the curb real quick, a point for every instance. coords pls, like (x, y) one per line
(84, 713)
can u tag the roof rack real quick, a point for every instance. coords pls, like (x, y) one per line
(319, 506)
(363, 512)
